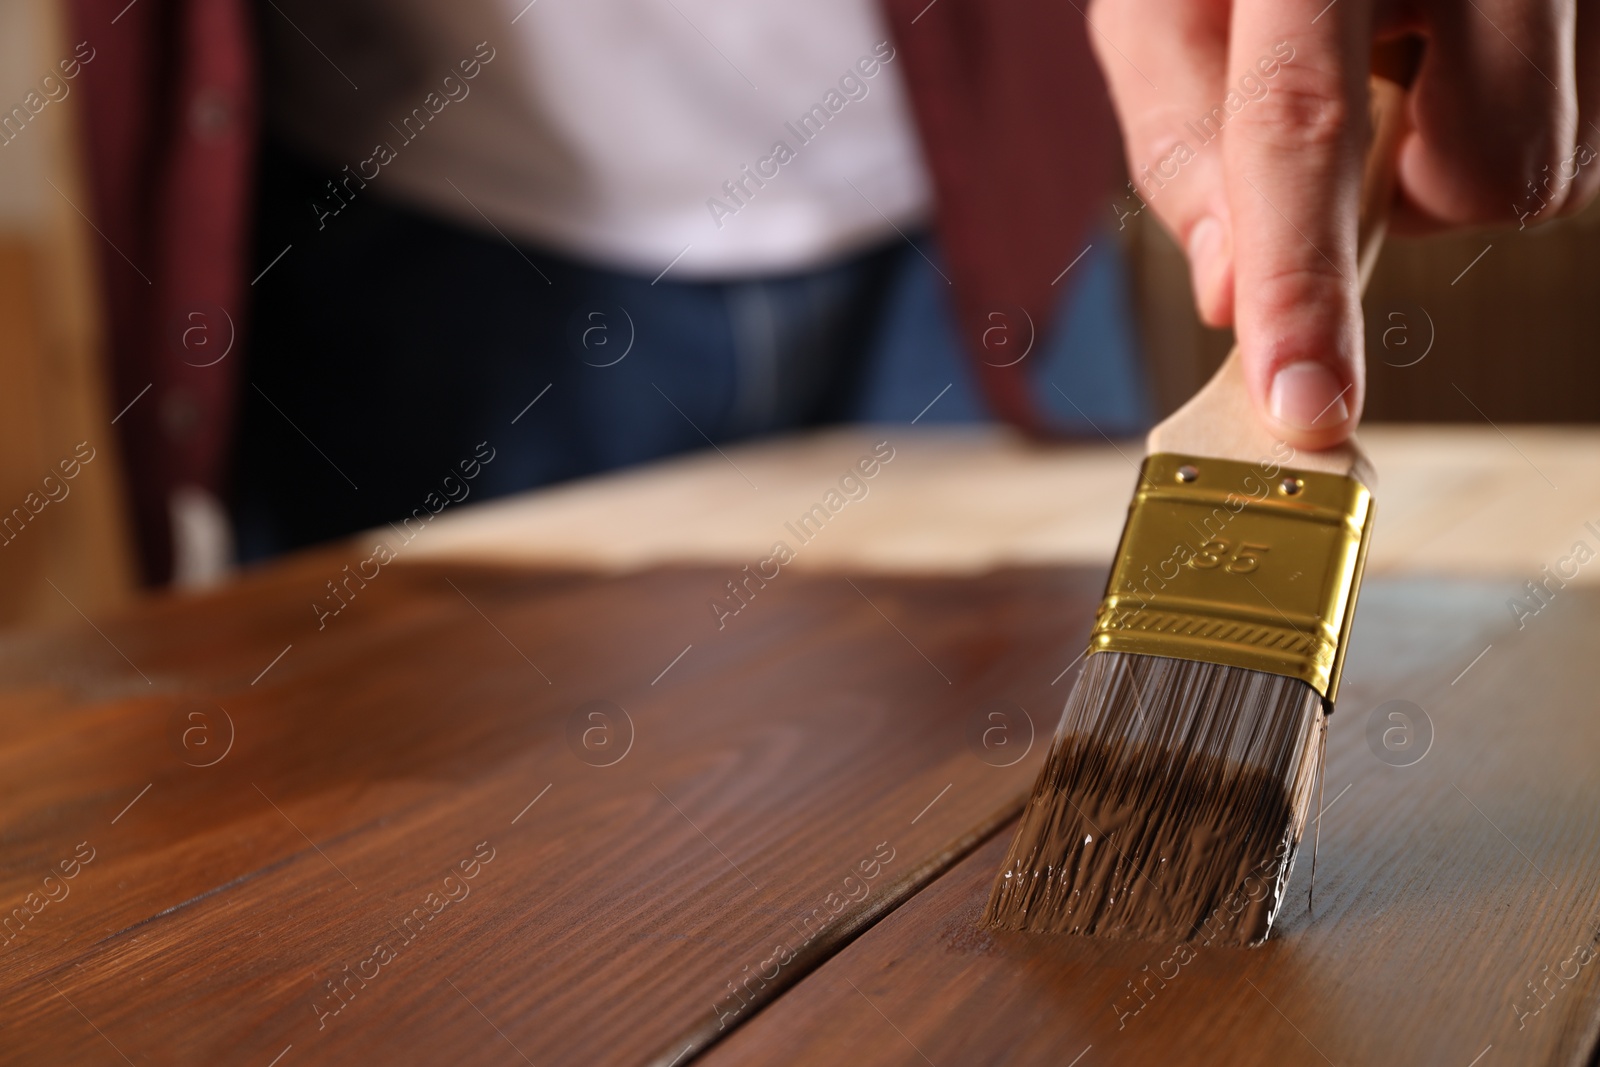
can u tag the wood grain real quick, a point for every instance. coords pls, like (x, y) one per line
(819, 747)
(1467, 501)
(416, 724)
(1444, 888)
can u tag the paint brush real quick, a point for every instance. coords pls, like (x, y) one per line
(1180, 779)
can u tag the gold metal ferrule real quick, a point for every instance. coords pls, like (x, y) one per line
(1247, 565)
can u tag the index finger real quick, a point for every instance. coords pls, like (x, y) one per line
(1293, 162)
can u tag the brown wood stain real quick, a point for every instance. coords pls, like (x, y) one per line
(1455, 905)
(412, 849)
(404, 813)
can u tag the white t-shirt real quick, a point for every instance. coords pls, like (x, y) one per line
(726, 137)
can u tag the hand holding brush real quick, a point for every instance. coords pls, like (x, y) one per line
(1179, 783)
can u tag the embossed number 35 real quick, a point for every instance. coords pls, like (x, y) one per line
(1241, 560)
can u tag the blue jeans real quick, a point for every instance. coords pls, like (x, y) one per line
(389, 347)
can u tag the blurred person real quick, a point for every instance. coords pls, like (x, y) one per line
(691, 222)
(540, 240)
(405, 224)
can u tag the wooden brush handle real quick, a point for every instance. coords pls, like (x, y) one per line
(1220, 420)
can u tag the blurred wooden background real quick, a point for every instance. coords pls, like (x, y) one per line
(52, 394)
(1509, 332)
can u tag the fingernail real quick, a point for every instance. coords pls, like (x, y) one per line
(1308, 396)
(1205, 256)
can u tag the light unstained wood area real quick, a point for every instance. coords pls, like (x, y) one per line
(1451, 895)
(1473, 501)
(632, 913)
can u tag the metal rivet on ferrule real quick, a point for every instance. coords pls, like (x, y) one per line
(1290, 486)
(1187, 473)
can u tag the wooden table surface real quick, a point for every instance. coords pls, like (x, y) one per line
(1455, 918)
(1458, 501)
(529, 797)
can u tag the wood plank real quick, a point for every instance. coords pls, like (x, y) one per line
(1470, 501)
(820, 746)
(1447, 891)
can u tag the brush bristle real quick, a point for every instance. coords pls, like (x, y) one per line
(1170, 806)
